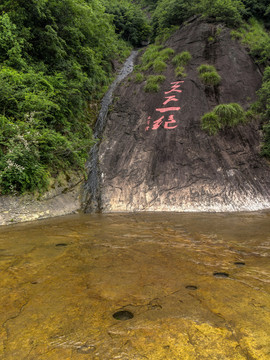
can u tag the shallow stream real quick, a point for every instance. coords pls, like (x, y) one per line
(136, 286)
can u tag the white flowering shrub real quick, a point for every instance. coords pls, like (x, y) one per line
(30, 155)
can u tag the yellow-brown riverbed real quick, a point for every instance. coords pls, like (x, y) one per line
(197, 286)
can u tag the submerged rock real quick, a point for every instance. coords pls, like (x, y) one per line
(172, 164)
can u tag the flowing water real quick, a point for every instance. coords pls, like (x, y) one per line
(136, 286)
(92, 190)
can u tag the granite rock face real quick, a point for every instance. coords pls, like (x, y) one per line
(155, 163)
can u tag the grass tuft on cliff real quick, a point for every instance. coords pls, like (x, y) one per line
(209, 75)
(223, 115)
(152, 83)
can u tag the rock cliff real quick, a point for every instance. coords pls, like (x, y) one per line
(155, 163)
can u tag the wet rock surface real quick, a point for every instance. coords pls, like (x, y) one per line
(183, 168)
(62, 200)
(58, 302)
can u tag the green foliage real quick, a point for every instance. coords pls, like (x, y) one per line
(182, 59)
(129, 20)
(55, 58)
(150, 55)
(11, 46)
(257, 38)
(210, 78)
(204, 68)
(139, 77)
(169, 13)
(265, 151)
(208, 75)
(223, 115)
(166, 53)
(264, 110)
(230, 114)
(159, 66)
(210, 122)
(155, 56)
(164, 34)
(152, 83)
(228, 11)
(257, 8)
(180, 72)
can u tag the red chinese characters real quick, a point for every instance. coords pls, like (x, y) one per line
(167, 121)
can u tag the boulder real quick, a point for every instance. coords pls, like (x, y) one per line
(154, 159)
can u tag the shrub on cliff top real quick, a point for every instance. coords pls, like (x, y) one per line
(254, 35)
(228, 11)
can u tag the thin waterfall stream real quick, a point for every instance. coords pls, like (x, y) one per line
(92, 186)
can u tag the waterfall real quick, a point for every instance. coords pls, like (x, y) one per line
(92, 195)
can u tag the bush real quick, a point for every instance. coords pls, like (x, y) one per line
(166, 53)
(210, 123)
(159, 66)
(256, 37)
(152, 83)
(169, 13)
(223, 115)
(265, 151)
(257, 8)
(228, 11)
(210, 78)
(139, 77)
(263, 107)
(51, 67)
(180, 72)
(31, 154)
(206, 68)
(208, 75)
(129, 20)
(230, 114)
(149, 56)
(182, 59)
(155, 56)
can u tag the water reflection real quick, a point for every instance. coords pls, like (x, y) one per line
(63, 280)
